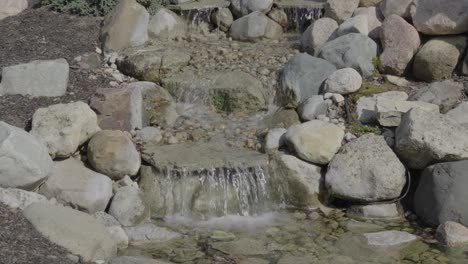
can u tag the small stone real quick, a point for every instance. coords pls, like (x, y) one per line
(343, 81)
(388, 238)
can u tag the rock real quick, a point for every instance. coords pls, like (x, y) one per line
(280, 119)
(106, 219)
(353, 50)
(367, 3)
(300, 180)
(374, 20)
(343, 81)
(312, 108)
(318, 33)
(25, 160)
(446, 94)
(458, 114)
(279, 16)
(302, 78)
(119, 236)
(398, 81)
(125, 26)
(452, 234)
(64, 127)
(71, 183)
(112, 153)
(400, 41)
(437, 59)
(440, 193)
(12, 7)
(149, 135)
(356, 24)
(421, 139)
(149, 233)
(340, 10)
(365, 106)
(242, 8)
(166, 24)
(315, 141)
(128, 207)
(72, 230)
(385, 212)
(222, 18)
(274, 139)
(465, 65)
(234, 91)
(399, 8)
(254, 27)
(365, 170)
(391, 238)
(389, 112)
(135, 260)
(243, 246)
(152, 63)
(433, 17)
(36, 78)
(17, 198)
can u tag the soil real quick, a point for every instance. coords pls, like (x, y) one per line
(20, 243)
(40, 34)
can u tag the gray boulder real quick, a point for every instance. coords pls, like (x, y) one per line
(12, 7)
(36, 78)
(254, 27)
(242, 8)
(424, 138)
(389, 112)
(441, 194)
(222, 18)
(374, 20)
(17, 198)
(128, 207)
(452, 234)
(400, 8)
(318, 33)
(166, 24)
(340, 10)
(274, 139)
(64, 127)
(112, 153)
(384, 212)
(355, 24)
(437, 59)
(312, 108)
(343, 81)
(25, 160)
(459, 114)
(446, 94)
(315, 141)
(71, 183)
(400, 42)
(301, 78)
(353, 50)
(126, 26)
(366, 106)
(434, 17)
(465, 65)
(77, 232)
(365, 170)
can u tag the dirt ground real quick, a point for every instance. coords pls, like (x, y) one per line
(42, 34)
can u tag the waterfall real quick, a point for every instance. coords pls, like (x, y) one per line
(299, 18)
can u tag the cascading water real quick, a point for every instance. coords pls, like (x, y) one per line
(299, 18)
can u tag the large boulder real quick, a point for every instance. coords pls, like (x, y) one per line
(301, 78)
(64, 127)
(166, 24)
(152, 63)
(434, 17)
(365, 170)
(446, 94)
(424, 138)
(20, 199)
(312, 108)
(126, 26)
(242, 8)
(128, 206)
(318, 33)
(234, 91)
(400, 8)
(389, 112)
(71, 183)
(441, 194)
(369, 3)
(25, 161)
(374, 20)
(366, 105)
(355, 24)
(255, 26)
(343, 81)
(452, 234)
(400, 42)
(315, 141)
(340, 10)
(112, 153)
(12, 7)
(458, 114)
(437, 59)
(353, 50)
(300, 180)
(77, 232)
(222, 18)
(36, 78)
